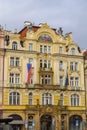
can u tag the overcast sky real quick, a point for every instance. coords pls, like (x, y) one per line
(71, 15)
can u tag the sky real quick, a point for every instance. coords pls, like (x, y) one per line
(71, 15)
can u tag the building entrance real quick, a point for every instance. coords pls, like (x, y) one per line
(47, 122)
(75, 122)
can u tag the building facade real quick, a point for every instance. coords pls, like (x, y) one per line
(1, 68)
(43, 80)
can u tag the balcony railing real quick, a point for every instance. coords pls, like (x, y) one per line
(15, 85)
(29, 85)
(75, 88)
(46, 69)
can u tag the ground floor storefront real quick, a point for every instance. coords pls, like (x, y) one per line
(47, 118)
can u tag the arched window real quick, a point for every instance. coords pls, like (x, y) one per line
(46, 99)
(14, 45)
(14, 98)
(30, 98)
(74, 100)
(72, 51)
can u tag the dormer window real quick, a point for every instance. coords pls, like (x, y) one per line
(14, 46)
(72, 51)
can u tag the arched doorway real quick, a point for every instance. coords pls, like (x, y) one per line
(47, 122)
(17, 122)
(75, 122)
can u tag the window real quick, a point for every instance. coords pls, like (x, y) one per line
(61, 80)
(30, 47)
(17, 78)
(31, 61)
(14, 61)
(14, 78)
(45, 79)
(60, 50)
(73, 66)
(14, 98)
(72, 51)
(41, 49)
(45, 49)
(46, 99)
(17, 61)
(49, 49)
(14, 46)
(61, 99)
(74, 100)
(45, 63)
(30, 98)
(74, 81)
(61, 65)
(11, 61)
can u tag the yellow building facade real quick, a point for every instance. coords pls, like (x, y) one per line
(50, 93)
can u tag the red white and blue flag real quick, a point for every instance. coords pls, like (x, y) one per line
(29, 72)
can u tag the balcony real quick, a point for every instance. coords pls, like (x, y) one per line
(29, 85)
(75, 88)
(45, 69)
(63, 87)
(15, 85)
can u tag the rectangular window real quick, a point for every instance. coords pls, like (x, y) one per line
(61, 80)
(14, 78)
(73, 66)
(17, 61)
(17, 78)
(41, 49)
(61, 65)
(31, 61)
(60, 50)
(76, 81)
(72, 81)
(41, 64)
(11, 78)
(11, 61)
(45, 49)
(14, 61)
(47, 79)
(30, 47)
(49, 49)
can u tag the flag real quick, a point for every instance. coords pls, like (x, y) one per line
(66, 80)
(29, 71)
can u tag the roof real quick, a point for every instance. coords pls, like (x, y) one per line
(34, 28)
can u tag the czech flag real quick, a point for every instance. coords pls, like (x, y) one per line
(29, 71)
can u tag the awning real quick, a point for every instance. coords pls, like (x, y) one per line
(20, 122)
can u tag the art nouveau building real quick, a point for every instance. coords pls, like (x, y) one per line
(1, 67)
(54, 97)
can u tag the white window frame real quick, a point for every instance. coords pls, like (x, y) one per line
(61, 80)
(60, 50)
(30, 46)
(72, 51)
(30, 98)
(75, 100)
(46, 99)
(14, 45)
(14, 98)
